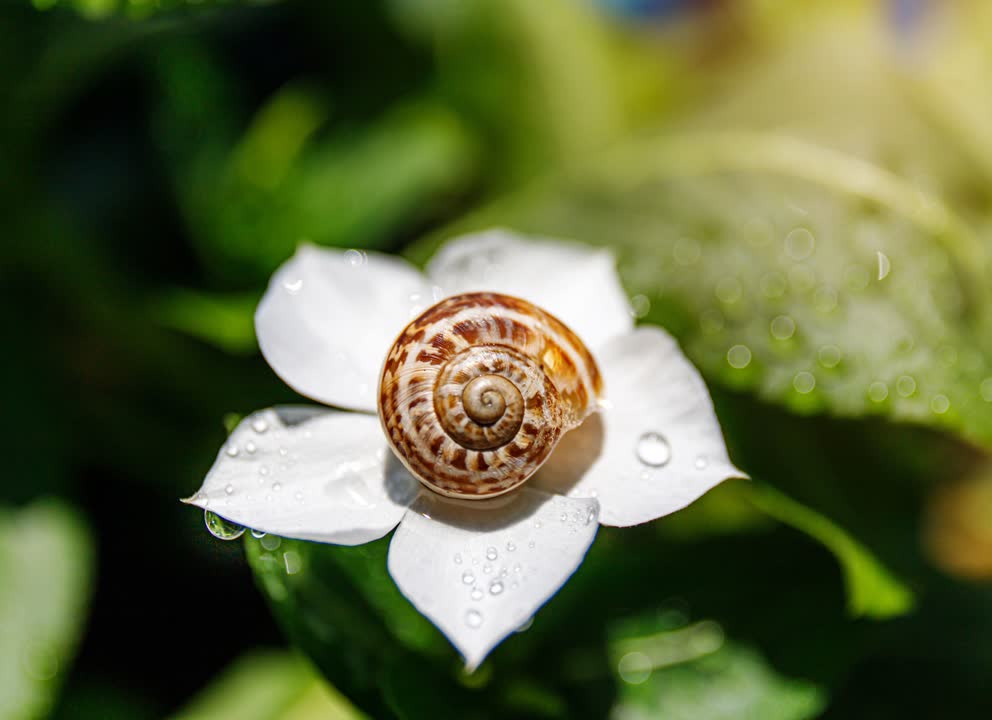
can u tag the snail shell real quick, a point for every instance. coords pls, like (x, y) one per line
(476, 392)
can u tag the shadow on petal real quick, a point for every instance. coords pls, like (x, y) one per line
(576, 453)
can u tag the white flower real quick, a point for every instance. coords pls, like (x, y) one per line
(480, 569)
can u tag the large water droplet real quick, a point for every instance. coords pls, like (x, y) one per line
(231, 450)
(940, 404)
(640, 306)
(259, 425)
(878, 391)
(473, 618)
(220, 528)
(356, 258)
(804, 382)
(496, 588)
(491, 553)
(829, 356)
(906, 385)
(468, 578)
(634, 668)
(884, 265)
(799, 243)
(739, 356)
(653, 449)
(258, 534)
(783, 327)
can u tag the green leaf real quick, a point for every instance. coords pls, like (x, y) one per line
(872, 591)
(46, 569)
(294, 177)
(225, 321)
(807, 276)
(692, 674)
(269, 686)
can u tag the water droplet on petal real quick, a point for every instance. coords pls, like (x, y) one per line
(458, 558)
(355, 258)
(491, 553)
(473, 618)
(293, 285)
(250, 447)
(231, 450)
(468, 578)
(476, 594)
(702, 462)
(496, 587)
(229, 489)
(220, 528)
(276, 487)
(510, 546)
(258, 534)
(263, 470)
(653, 449)
(259, 425)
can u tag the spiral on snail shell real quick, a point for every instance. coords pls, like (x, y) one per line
(476, 392)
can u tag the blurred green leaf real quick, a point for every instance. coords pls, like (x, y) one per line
(269, 686)
(871, 590)
(293, 177)
(807, 276)
(545, 83)
(100, 9)
(714, 681)
(226, 321)
(46, 568)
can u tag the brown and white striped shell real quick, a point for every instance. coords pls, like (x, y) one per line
(476, 392)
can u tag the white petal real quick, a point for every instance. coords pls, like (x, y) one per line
(309, 473)
(656, 445)
(329, 317)
(481, 570)
(576, 283)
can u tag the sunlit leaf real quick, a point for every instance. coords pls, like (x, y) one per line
(269, 686)
(807, 276)
(46, 567)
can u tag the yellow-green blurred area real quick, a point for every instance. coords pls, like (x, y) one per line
(798, 190)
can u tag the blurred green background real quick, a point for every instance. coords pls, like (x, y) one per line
(798, 190)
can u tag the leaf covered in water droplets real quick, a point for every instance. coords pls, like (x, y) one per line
(802, 274)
